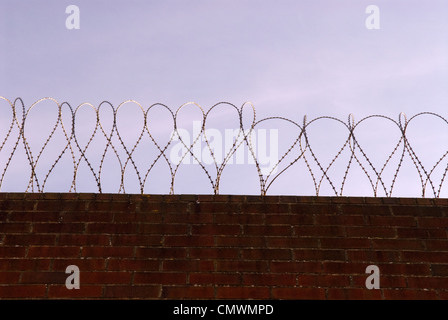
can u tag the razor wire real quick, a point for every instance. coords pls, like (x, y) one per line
(301, 150)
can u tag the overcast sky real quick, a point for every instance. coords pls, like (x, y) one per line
(289, 58)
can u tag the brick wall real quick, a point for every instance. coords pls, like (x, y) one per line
(222, 247)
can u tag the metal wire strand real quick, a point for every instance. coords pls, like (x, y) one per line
(301, 152)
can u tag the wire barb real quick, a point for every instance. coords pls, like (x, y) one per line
(301, 150)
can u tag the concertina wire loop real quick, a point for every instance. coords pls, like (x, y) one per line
(357, 155)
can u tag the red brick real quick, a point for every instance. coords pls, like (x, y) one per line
(24, 264)
(241, 266)
(238, 218)
(133, 265)
(242, 293)
(277, 208)
(409, 294)
(171, 229)
(89, 196)
(263, 279)
(350, 200)
(214, 279)
(86, 217)
(354, 294)
(165, 278)
(189, 241)
(126, 292)
(408, 201)
(373, 256)
(98, 206)
(318, 231)
(8, 227)
(437, 245)
(397, 244)
(13, 196)
(216, 229)
(21, 208)
(136, 240)
(421, 233)
(187, 292)
(348, 268)
(58, 227)
(371, 232)
(9, 277)
(342, 243)
(188, 265)
(112, 228)
(289, 219)
(29, 239)
(385, 281)
(82, 264)
(122, 252)
(33, 216)
(84, 239)
(155, 197)
(268, 230)
(216, 207)
(121, 206)
(431, 222)
(105, 277)
(43, 277)
(308, 199)
(46, 205)
(84, 291)
(319, 255)
(151, 217)
(253, 207)
(340, 220)
(53, 252)
(266, 254)
(406, 210)
(439, 270)
(213, 253)
(443, 295)
(72, 205)
(161, 253)
(177, 207)
(421, 256)
(212, 198)
(295, 267)
(298, 293)
(366, 210)
(23, 291)
(428, 282)
(310, 209)
(239, 241)
(324, 280)
(392, 221)
(291, 242)
(418, 269)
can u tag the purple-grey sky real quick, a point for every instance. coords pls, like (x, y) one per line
(289, 58)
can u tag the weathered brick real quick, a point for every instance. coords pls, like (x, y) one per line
(186, 292)
(84, 292)
(164, 278)
(298, 293)
(23, 291)
(214, 279)
(242, 293)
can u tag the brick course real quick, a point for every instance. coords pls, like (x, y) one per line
(222, 246)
